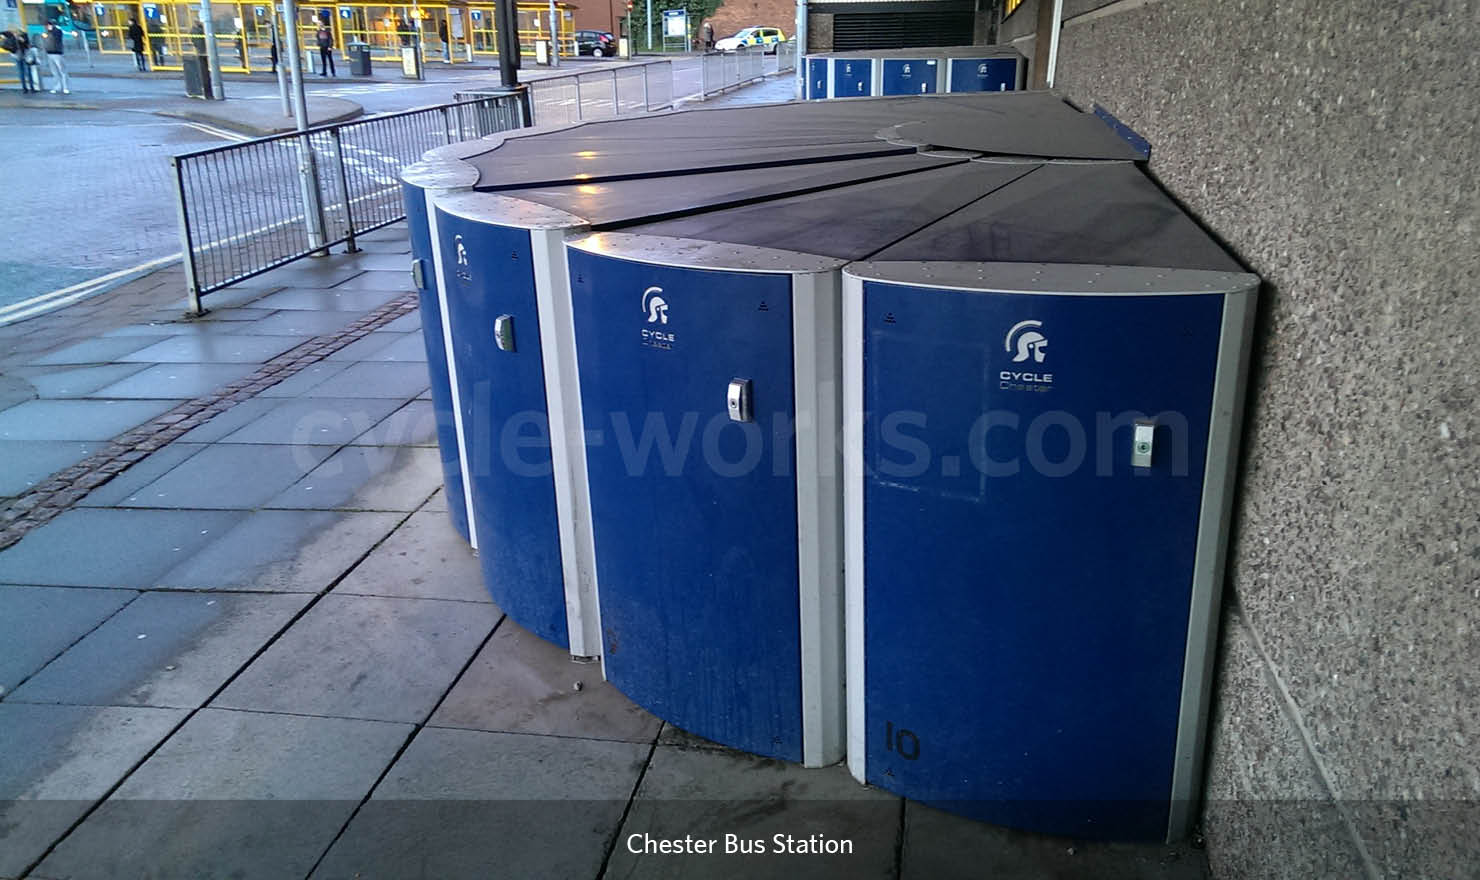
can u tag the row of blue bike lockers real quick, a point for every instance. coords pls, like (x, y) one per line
(877, 72)
(998, 593)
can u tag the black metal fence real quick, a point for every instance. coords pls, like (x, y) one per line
(250, 207)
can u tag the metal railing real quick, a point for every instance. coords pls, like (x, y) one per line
(250, 207)
(654, 85)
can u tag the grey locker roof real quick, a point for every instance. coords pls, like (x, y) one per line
(1035, 124)
(847, 223)
(1094, 213)
(623, 201)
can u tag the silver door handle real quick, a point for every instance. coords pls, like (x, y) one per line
(738, 400)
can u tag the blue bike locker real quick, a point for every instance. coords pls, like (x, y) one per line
(910, 76)
(430, 306)
(1002, 74)
(1043, 393)
(708, 384)
(817, 82)
(853, 78)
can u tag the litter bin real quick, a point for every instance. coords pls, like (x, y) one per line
(359, 59)
(197, 72)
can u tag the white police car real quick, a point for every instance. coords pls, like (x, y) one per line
(765, 37)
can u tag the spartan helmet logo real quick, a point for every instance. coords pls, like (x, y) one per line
(462, 252)
(654, 306)
(981, 69)
(1030, 344)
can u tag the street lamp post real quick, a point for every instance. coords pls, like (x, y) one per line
(213, 57)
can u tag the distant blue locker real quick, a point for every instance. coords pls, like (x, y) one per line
(983, 74)
(717, 532)
(817, 78)
(910, 76)
(852, 78)
(429, 300)
(1034, 526)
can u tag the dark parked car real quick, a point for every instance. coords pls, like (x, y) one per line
(599, 44)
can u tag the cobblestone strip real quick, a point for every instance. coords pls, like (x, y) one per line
(65, 488)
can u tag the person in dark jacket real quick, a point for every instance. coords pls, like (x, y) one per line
(198, 38)
(156, 42)
(136, 43)
(51, 43)
(273, 49)
(326, 51)
(17, 47)
(446, 46)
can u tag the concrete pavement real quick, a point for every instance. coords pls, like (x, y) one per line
(242, 638)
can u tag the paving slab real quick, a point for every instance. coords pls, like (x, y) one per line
(322, 300)
(402, 381)
(304, 379)
(38, 623)
(422, 559)
(364, 657)
(232, 419)
(520, 683)
(230, 476)
(175, 380)
(371, 344)
(407, 323)
(379, 262)
(411, 349)
(710, 795)
(102, 350)
(165, 649)
(301, 322)
(233, 794)
(320, 421)
(215, 348)
(368, 478)
(397, 278)
(77, 419)
(282, 551)
(77, 381)
(59, 761)
(414, 424)
(942, 846)
(28, 462)
(233, 315)
(386, 246)
(145, 471)
(100, 547)
(307, 273)
(463, 803)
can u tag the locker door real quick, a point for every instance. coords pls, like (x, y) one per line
(914, 76)
(428, 299)
(694, 514)
(983, 74)
(1027, 589)
(816, 78)
(852, 78)
(489, 276)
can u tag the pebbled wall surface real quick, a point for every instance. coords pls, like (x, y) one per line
(1334, 147)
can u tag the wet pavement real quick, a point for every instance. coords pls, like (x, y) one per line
(257, 648)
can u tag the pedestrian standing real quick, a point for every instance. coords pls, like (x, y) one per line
(446, 46)
(156, 42)
(32, 55)
(272, 51)
(8, 42)
(326, 51)
(198, 38)
(136, 43)
(708, 36)
(51, 42)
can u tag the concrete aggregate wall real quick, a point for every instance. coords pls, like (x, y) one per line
(1334, 147)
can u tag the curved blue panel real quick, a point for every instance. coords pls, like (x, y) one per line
(431, 332)
(490, 273)
(1026, 590)
(816, 78)
(853, 77)
(694, 514)
(910, 76)
(983, 74)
